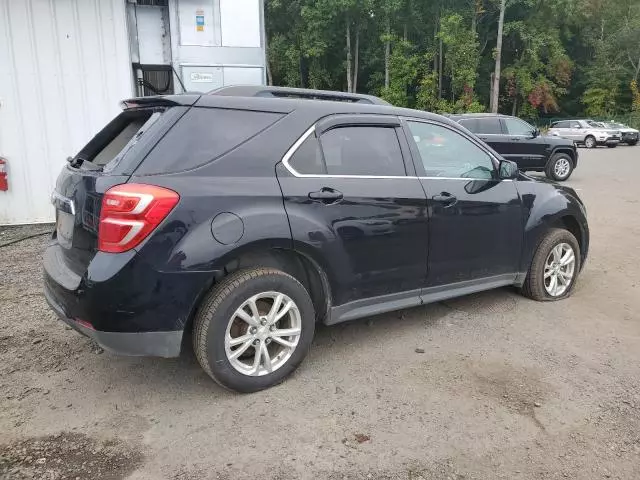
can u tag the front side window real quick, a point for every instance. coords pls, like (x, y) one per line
(365, 150)
(446, 153)
(517, 127)
(575, 125)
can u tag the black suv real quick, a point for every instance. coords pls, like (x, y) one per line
(244, 220)
(522, 143)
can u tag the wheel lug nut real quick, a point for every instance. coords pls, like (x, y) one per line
(267, 341)
(263, 322)
(256, 341)
(272, 328)
(253, 330)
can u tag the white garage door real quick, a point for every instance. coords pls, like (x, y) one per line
(64, 67)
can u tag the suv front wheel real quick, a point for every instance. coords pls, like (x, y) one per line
(559, 167)
(554, 268)
(254, 329)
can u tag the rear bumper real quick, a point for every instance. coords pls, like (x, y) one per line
(155, 344)
(123, 302)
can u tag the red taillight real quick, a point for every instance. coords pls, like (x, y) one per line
(130, 212)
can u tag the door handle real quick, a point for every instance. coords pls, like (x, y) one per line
(515, 139)
(446, 199)
(326, 195)
(484, 139)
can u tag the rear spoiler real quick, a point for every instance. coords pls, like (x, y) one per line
(187, 99)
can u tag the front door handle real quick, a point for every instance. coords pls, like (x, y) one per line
(326, 195)
(484, 139)
(446, 199)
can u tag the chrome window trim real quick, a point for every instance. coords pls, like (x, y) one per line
(292, 150)
(295, 173)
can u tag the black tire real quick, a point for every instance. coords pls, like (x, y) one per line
(590, 141)
(631, 144)
(550, 171)
(612, 145)
(534, 287)
(216, 310)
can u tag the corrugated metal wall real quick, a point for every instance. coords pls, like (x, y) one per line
(64, 67)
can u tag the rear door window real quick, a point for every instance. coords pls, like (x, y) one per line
(203, 135)
(307, 159)
(489, 126)
(470, 124)
(362, 150)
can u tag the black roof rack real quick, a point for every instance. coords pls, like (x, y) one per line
(303, 93)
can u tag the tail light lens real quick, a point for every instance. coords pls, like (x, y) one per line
(130, 212)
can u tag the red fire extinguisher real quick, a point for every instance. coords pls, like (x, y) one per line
(4, 184)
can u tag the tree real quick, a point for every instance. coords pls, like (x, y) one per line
(495, 88)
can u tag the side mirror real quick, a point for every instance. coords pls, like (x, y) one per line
(535, 133)
(508, 169)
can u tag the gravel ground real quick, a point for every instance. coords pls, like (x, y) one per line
(482, 387)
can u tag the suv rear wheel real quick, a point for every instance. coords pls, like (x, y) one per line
(559, 167)
(554, 268)
(254, 329)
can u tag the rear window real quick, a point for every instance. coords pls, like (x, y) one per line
(112, 143)
(203, 135)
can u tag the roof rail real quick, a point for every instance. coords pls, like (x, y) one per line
(304, 93)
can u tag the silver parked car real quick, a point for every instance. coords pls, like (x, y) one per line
(586, 132)
(630, 136)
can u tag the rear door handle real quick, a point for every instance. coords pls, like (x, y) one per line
(326, 195)
(515, 139)
(446, 199)
(484, 139)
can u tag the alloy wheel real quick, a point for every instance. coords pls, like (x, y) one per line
(559, 269)
(562, 167)
(263, 333)
(590, 142)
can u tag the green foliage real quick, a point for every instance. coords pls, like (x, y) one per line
(600, 102)
(574, 57)
(404, 68)
(461, 52)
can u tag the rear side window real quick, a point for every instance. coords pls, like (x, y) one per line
(489, 126)
(560, 125)
(203, 135)
(365, 150)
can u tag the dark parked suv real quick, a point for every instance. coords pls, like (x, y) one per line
(522, 143)
(247, 215)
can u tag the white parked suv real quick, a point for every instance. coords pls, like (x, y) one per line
(586, 132)
(630, 136)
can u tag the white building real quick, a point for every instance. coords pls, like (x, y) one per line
(66, 64)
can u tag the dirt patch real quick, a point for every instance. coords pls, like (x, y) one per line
(519, 389)
(67, 456)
